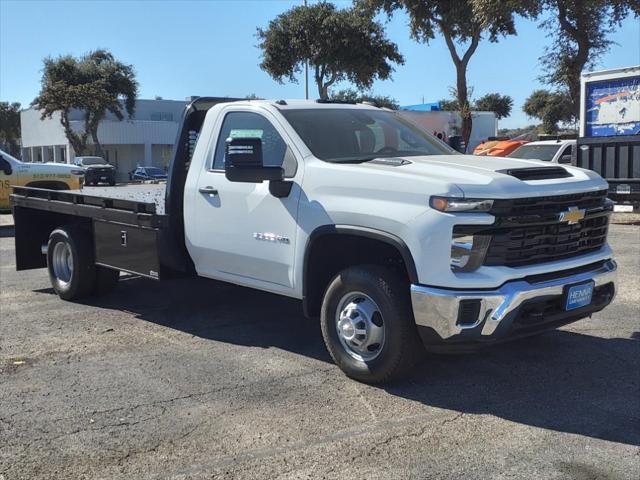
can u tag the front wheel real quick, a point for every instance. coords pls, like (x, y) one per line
(368, 326)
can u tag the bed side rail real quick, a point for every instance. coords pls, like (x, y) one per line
(105, 209)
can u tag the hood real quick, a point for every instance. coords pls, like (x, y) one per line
(55, 167)
(489, 177)
(104, 165)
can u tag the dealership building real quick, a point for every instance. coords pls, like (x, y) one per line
(146, 139)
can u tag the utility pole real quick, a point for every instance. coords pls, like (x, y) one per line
(306, 73)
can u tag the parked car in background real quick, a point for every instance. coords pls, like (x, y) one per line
(148, 173)
(54, 176)
(554, 151)
(96, 170)
(503, 148)
(486, 146)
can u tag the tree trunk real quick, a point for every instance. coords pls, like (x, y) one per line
(323, 87)
(77, 141)
(462, 93)
(97, 146)
(463, 102)
(573, 82)
(581, 36)
(323, 91)
(92, 121)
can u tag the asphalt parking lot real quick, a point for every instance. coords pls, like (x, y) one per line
(196, 379)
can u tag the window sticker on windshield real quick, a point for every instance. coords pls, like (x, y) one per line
(246, 133)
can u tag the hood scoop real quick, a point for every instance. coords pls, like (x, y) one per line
(390, 161)
(536, 173)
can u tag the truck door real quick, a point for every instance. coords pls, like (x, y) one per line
(242, 232)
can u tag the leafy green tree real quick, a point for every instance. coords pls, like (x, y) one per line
(62, 90)
(515, 132)
(113, 84)
(95, 83)
(579, 29)
(354, 96)
(337, 44)
(10, 126)
(449, 105)
(462, 23)
(549, 107)
(501, 105)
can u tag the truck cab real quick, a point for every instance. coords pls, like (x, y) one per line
(553, 151)
(41, 175)
(391, 238)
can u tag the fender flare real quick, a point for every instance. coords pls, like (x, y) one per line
(354, 230)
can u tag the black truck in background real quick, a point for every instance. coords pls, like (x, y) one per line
(609, 141)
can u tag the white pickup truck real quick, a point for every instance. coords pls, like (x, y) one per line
(391, 238)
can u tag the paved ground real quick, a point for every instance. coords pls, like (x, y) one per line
(194, 379)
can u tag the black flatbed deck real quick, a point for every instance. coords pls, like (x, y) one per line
(139, 205)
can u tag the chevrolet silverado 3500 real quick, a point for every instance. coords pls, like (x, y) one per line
(394, 240)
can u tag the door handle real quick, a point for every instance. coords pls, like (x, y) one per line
(208, 190)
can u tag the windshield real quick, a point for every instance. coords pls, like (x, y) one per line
(357, 135)
(535, 152)
(154, 171)
(93, 161)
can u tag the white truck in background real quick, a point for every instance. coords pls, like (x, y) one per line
(394, 240)
(552, 151)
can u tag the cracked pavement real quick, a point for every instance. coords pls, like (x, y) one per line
(193, 379)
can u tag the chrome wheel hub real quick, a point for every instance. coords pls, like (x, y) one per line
(62, 261)
(360, 326)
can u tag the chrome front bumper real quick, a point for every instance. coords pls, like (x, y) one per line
(438, 308)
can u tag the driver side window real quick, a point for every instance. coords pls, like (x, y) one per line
(250, 125)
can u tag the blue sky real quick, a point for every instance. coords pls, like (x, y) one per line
(182, 48)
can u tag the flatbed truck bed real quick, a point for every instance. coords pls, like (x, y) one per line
(128, 224)
(137, 193)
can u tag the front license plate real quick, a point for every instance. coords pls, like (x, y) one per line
(623, 189)
(579, 296)
(103, 178)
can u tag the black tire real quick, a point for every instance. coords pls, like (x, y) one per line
(106, 279)
(112, 183)
(401, 347)
(82, 279)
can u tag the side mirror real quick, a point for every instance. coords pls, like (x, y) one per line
(565, 159)
(243, 162)
(5, 166)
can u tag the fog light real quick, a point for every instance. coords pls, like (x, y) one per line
(468, 313)
(468, 251)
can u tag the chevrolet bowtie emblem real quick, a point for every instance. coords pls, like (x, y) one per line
(572, 215)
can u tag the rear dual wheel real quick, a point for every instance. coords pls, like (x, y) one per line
(72, 271)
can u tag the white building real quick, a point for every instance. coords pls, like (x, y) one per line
(144, 140)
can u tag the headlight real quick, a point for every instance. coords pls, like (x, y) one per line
(77, 172)
(445, 204)
(468, 251)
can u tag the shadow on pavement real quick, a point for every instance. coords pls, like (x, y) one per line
(562, 381)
